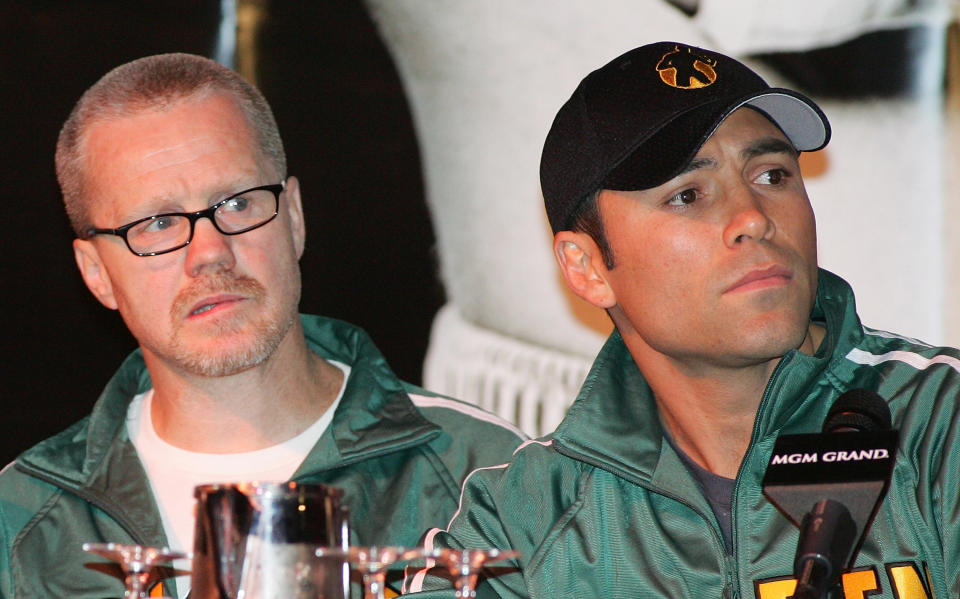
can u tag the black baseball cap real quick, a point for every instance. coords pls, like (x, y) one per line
(637, 121)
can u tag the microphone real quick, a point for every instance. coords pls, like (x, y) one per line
(830, 484)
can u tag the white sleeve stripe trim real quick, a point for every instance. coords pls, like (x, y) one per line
(416, 584)
(460, 502)
(424, 401)
(889, 335)
(532, 442)
(916, 360)
(496, 467)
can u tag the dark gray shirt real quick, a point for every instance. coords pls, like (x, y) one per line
(717, 489)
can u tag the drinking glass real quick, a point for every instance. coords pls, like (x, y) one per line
(137, 563)
(257, 540)
(372, 563)
(465, 565)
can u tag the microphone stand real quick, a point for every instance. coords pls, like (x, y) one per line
(821, 557)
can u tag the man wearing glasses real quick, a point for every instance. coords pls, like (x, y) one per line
(174, 178)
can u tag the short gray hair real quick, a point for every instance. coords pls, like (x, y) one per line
(155, 82)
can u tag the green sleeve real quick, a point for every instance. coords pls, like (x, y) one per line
(477, 525)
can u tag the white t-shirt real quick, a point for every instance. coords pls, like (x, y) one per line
(173, 472)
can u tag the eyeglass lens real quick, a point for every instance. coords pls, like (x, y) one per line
(236, 215)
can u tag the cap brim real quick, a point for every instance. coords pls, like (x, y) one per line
(800, 119)
(664, 154)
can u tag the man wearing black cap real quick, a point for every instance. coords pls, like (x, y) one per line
(672, 183)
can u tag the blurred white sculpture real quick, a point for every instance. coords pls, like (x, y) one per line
(484, 81)
(753, 26)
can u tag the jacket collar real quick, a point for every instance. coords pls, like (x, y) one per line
(614, 423)
(79, 454)
(375, 416)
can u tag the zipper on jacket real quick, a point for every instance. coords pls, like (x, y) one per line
(717, 537)
(764, 400)
(731, 588)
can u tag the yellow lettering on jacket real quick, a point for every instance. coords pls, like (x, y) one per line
(776, 589)
(907, 582)
(860, 584)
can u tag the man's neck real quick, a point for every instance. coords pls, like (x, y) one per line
(711, 419)
(710, 411)
(256, 408)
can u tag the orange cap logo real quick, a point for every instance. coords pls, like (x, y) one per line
(685, 70)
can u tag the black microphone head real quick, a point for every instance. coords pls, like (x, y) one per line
(858, 410)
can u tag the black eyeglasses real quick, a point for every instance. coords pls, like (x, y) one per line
(163, 233)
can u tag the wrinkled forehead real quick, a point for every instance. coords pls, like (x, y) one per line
(185, 148)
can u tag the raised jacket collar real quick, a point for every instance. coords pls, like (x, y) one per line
(614, 423)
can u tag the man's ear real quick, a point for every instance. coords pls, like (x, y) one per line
(94, 273)
(291, 202)
(582, 266)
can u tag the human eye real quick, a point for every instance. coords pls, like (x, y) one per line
(683, 198)
(152, 234)
(158, 224)
(774, 176)
(235, 204)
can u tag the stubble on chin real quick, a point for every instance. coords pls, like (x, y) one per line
(266, 330)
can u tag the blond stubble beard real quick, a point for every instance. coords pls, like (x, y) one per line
(267, 333)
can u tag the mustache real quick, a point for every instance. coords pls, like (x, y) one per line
(211, 285)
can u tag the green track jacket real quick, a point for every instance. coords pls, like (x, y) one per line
(605, 508)
(399, 453)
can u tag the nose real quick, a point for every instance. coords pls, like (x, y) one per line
(209, 251)
(746, 218)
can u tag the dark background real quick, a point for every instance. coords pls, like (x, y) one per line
(345, 123)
